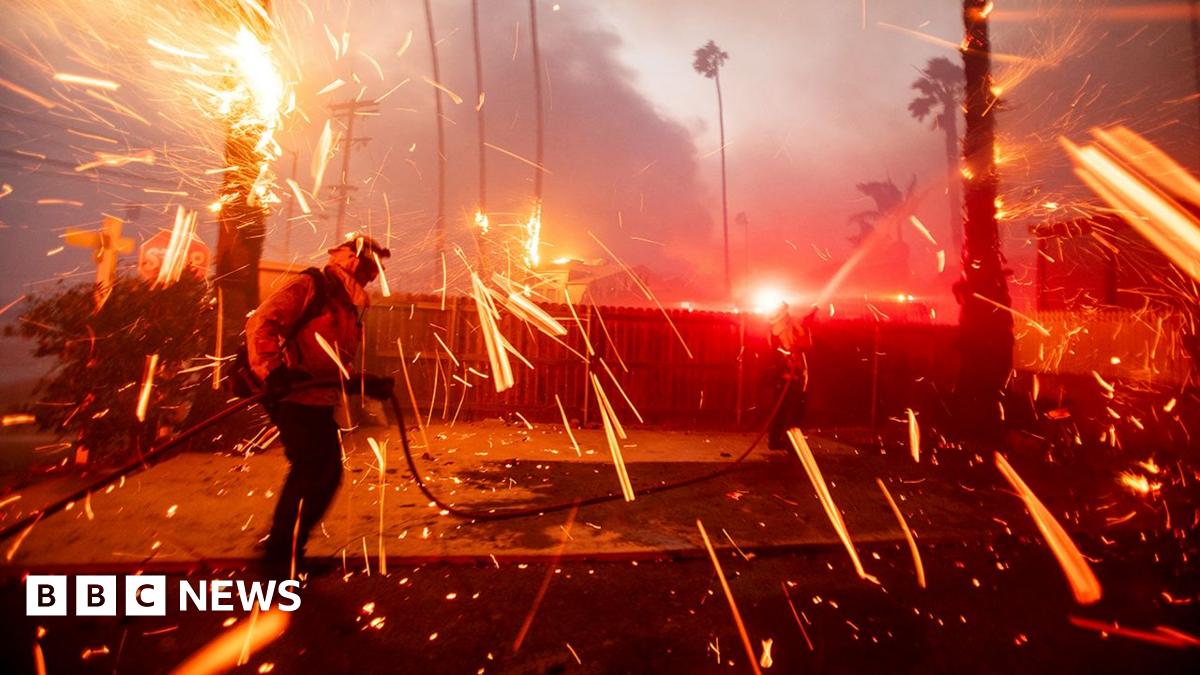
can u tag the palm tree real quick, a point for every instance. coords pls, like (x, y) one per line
(889, 201)
(242, 220)
(709, 61)
(985, 323)
(940, 88)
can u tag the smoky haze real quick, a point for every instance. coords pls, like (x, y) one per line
(815, 96)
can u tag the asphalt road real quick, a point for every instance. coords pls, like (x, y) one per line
(997, 606)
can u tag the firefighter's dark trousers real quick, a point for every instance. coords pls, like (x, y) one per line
(790, 413)
(310, 441)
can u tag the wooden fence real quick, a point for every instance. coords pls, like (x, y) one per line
(1115, 344)
(861, 370)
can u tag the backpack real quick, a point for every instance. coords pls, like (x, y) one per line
(242, 381)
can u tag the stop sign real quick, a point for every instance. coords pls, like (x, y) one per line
(150, 257)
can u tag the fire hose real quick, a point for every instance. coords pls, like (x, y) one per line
(158, 453)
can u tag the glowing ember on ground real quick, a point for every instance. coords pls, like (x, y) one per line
(1084, 584)
(1137, 484)
(235, 646)
(914, 435)
(908, 536)
(800, 445)
(612, 432)
(733, 608)
(1161, 635)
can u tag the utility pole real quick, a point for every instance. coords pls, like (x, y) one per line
(985, 320)
(539, 156)
(346, 112)
(742, 220)
(481, 214)
(440, 223)
(480, 116)
(291, 209)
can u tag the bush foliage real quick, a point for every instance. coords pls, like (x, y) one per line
(92, 391)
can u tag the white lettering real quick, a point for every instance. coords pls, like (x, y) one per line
(222, 595)
(198, 596)
(255, 595)
(146, 595)
(95, 595)
(46, 595)
(286, 590)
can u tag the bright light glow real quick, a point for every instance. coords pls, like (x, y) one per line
(258, 94)
(253, 103)
(767, 300)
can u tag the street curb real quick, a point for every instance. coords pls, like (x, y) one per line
(8, 572)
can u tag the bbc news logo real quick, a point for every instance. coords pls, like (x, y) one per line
(96, 595)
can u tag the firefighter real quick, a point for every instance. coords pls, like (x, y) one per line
(789, 341)
(284, 352)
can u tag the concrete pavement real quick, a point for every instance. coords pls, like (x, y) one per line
(216, 506)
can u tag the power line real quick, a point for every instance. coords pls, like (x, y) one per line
(345, 113)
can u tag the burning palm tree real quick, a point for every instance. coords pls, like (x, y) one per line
(709, 61)
(940, 89)
(251, 103)
(985, 322)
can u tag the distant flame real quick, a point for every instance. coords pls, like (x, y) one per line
(533, 236)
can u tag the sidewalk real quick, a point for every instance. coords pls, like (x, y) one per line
(198, 506)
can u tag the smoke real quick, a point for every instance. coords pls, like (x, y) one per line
(614, 166)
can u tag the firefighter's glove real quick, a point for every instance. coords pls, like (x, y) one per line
(810, 319)
(378, 387)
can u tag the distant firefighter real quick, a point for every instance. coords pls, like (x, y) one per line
(790, 341)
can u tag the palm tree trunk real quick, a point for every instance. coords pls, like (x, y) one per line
(241, 230)
(985, 327)
(724, 193)
(954, 184)
(241, 227)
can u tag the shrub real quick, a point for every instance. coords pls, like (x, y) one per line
(93, 390)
